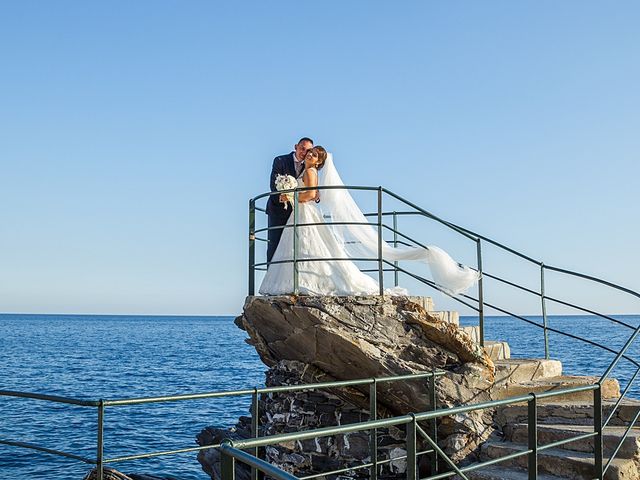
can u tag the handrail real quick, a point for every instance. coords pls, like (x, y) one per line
(465, 299)
(229, 453)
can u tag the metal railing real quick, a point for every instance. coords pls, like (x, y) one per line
(477, 304)
(100, 461)
(232, 451)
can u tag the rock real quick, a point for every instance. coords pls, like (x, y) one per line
(108, 473)
(309, 339)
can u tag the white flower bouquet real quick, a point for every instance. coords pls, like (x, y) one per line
(286, 182)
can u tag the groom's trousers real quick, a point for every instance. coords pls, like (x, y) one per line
(276, 219)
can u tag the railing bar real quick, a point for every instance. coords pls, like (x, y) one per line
(514, 315)
(442, 454)
(314, 224)
(622, 396)
(50, 398)
(318, 187)
(452, 226)
(333, 472)
(406, 236)
(620, 354)
(592, 312)
(465, 232)
(362, 466)
(252, 461)
(388, 422)
(594, 344)
(160, 454)
(33, 446)
(230, 393)
(494, 277)
(176, 398)
(582, 388)
(332, 259)
(594, 279)
(100, 442)
(566, 440)
(477, 466)
(561, 332)
(624, 436)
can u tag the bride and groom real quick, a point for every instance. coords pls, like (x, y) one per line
(330, 225)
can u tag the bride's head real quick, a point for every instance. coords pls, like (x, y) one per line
(315, 157)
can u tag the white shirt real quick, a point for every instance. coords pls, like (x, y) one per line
(299, 164)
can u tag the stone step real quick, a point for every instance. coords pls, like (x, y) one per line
(574, 413)
(493, 472)
(473, 331)
(517, 370)
(548, 433)
(447, 316)
(424, 302)
(610, 388)
(559, 462)
(497, 350)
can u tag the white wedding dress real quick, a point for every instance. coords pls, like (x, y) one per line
(336, 277)
(354, 238)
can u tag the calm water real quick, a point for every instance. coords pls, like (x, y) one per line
(110, 357)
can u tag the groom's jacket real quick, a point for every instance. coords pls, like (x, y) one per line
(282, 165)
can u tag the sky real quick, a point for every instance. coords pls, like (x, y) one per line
(132, 135)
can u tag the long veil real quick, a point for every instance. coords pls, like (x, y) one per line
(361, 240)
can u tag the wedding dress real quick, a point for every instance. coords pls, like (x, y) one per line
(358, 239)
(335, 277)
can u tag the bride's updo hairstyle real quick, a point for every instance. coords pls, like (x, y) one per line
(322, 156)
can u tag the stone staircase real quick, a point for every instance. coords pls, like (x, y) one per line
(560, 417)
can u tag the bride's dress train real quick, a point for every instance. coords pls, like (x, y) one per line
(355, 237)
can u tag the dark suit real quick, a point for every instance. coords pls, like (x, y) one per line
(278, 215)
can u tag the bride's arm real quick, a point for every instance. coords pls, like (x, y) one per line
(310, 179)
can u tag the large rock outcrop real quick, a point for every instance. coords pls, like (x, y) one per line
(310, 339)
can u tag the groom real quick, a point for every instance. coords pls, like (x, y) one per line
(291, 164)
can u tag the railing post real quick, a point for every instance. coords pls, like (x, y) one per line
(480, 292)
(373, 433)
(433, 399)
(252, 247)
(544, 313)
(255, 424)
(100, 442)
(295, 243)
(411, 449)
(227, 465)
(380, 263)
(532, 431)
(395, 245)
(597, 428)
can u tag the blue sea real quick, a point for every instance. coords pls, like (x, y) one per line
(109, 357)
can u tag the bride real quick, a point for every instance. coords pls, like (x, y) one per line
(343, 242)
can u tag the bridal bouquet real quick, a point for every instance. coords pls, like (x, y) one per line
(286, 182)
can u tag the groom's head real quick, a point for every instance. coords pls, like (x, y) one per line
(302, 147)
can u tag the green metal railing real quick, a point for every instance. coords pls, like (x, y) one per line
(99, 461)
(478, 304)
(232, 451)
(236, 452)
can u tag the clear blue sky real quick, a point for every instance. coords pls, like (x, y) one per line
(133, 133)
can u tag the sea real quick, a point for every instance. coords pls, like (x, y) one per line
(114, 357)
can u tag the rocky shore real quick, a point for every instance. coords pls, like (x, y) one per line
(318, 339)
